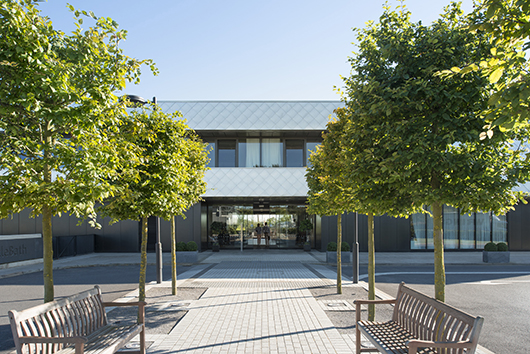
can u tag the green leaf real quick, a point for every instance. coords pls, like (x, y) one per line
(496, 75)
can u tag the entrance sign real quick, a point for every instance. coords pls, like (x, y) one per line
(16, 248)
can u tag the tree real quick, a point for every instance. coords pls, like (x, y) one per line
(326, 194)
(167, 180)
(57, 105)
(410, 136)
(505, 25)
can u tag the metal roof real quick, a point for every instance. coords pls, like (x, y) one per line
(253, 115)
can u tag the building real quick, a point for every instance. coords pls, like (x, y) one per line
(259, 152)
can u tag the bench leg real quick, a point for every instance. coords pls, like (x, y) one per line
(357, 331)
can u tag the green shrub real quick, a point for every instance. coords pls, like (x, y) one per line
(502, 246)
(345, 247)
(191, 246)
(490, 247)
(181, 246)
(332, 246)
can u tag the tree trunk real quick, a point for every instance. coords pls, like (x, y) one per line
(173, 258)
(143, 261)
(439, 264)
(339, 254)
(371, 267)
(47, 254)
(47, 235)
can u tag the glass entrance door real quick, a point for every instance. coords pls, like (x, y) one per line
(230, 225)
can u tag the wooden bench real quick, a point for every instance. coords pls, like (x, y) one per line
(420, 324)
(76, 324)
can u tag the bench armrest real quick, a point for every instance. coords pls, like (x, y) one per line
(366, 302)
(358, 304)
(415, 344)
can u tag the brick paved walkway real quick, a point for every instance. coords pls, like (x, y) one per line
(255, 307)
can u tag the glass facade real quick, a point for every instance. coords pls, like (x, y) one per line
(460, 231)
(260, 152)
(233, 225)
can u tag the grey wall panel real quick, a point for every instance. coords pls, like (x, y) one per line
(11, 225)
(197, 217)
(129, 236)
(185, 227)
(81, 229)
(27, 224)
(518, 226)
(61, 225)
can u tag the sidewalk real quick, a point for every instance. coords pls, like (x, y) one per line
(255, 301)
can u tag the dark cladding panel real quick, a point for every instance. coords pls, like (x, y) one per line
(27, 223)
(129, 236)
(518, 226)
(11, 225)
(61, 225)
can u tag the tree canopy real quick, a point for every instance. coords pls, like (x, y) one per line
(168, 177)
(505, 26)
(410, 135)
(58, 110)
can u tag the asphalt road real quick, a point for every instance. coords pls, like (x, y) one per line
(500, 294)
(24, 291)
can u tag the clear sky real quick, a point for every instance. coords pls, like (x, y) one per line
(240, 49)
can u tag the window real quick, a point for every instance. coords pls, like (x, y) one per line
(294, 153)
(271, 153)
(259, 152)
(227, 153)
(311, 146)
(460, 231)
(210, 149)
(248, 151)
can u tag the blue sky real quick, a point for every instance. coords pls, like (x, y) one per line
(240, 49)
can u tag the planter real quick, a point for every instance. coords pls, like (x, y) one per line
(495, 257)
(187, 257)
(331, 257)
(307, 247)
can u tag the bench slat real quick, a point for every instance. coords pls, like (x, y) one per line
(80, 315)
(419, 317)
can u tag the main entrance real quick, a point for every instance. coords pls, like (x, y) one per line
(238, 226)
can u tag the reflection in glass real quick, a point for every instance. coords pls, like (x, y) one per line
(467, 231)
(210, 149)
(229, 224)
(311, 146)
(500, 228)
(248, 152)
(418, 231)
(450, 227)
(430, 230)
(294, 153)
(227, 153)
(271, 153)
(483, 229)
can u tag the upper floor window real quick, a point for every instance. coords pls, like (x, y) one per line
(259, 152)
(226, 154)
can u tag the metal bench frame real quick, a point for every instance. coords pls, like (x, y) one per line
(420, 324)
(76, 324)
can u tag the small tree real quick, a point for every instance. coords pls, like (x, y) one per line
(167, 181)
(326, 194)
(57, 105)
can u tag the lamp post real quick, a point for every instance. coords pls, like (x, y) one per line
(158, 244)
(355, 251)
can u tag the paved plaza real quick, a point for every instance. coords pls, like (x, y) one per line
(255, 301)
